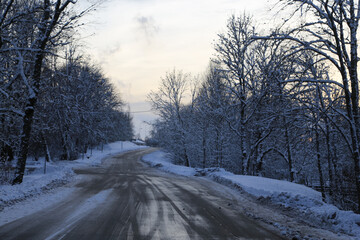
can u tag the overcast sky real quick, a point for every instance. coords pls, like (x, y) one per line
(138, 41)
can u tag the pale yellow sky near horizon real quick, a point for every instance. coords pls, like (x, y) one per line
(137, 41)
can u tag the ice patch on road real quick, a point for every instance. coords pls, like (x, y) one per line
(90, 203)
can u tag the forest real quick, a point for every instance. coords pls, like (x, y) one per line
(54, 101)
(281, 103)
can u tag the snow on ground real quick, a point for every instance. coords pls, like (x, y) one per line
(289, 195)
(41, 186)
(33, 204)
(160, 159)
(294, 196)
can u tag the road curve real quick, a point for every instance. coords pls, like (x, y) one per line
(126, 199)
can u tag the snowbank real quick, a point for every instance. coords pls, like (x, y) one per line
(259, 186)
(287, 194)
(294, 196)
(160, 159)
(57, 173)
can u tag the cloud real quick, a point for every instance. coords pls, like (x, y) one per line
(147, 26)
(113, 49)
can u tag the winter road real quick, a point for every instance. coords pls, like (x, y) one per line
(126, 199)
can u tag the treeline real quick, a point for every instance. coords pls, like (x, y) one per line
(270, 105)
(78, 108)
(53, 101)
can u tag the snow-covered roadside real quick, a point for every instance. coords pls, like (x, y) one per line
(160, 159)
(40, 190)
(294, 196)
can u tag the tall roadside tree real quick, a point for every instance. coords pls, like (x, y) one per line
(168, 101)
(252, 71)
(329, 29)
(46, 23)
(231, 50)
(211, 104)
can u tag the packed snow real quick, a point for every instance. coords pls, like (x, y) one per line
(287, 194)
(36, 191)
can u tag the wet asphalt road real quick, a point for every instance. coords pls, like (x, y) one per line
(126, 199)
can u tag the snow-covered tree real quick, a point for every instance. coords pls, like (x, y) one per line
(56, 108)
(329, 29)
(168, 101)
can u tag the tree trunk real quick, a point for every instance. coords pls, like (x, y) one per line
(289, 152)
(329, 157)
(242, 139)
(46, 148)
(187, 162)
(217, 148)
(28, 120)
(318, 158)
(204, 148)
(41, 42)
(25, 139)
(355, 95)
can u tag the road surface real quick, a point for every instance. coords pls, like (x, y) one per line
(126, 199)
